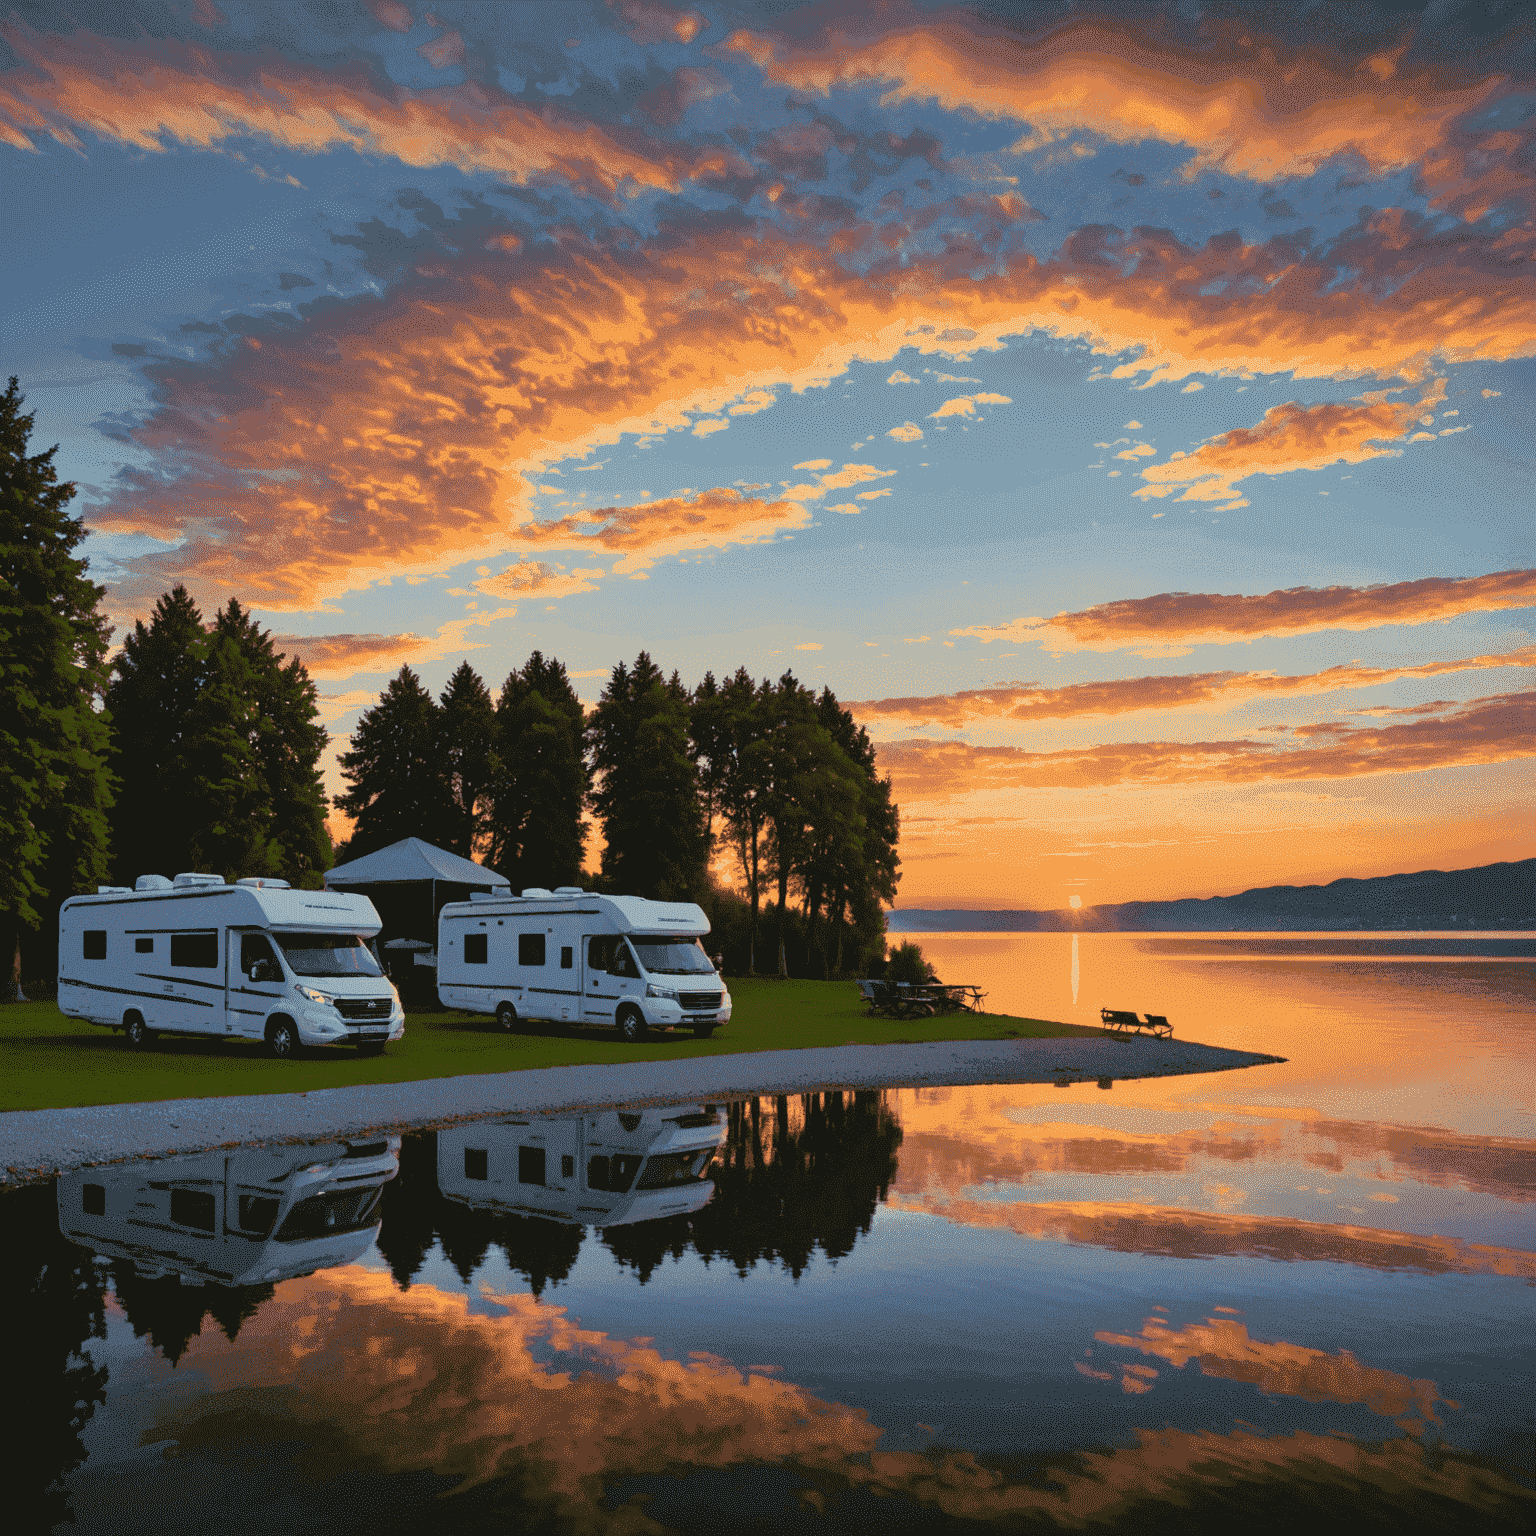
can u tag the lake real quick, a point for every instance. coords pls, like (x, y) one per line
(1287, 1293)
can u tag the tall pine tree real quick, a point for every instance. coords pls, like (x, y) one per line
(647, 797)
(468, 728)
(55, 786)
(218, 749)
(535, 826)
(399, 787)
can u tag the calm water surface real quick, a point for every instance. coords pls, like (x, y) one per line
(1260, 1296)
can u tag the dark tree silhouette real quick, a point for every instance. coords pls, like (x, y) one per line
(467, 726)
(51, 1290)
(399, 787)
(541, 785)
(647, 797)
(55, 786)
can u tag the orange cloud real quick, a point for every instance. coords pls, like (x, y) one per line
(393, 432)
(1243, 106)
(1290, 437)
(1491, 730)
(1183, 619)
(342, 655)
(146, 93)
(532, 578)
(645, 533)
(1133, 695)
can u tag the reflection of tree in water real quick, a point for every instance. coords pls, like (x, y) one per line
(170, 1312)
(415, 1213)
(782, 1188)
(51, 1293)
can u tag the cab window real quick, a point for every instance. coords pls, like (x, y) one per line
(623, 962)
(256, 949)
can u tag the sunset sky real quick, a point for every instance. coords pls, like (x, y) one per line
(1127, 410)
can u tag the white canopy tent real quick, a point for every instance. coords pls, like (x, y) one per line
(412, 859)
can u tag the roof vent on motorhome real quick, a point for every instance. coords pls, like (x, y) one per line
(569, 890)
(535, 892)
(264, 884)
(113, 890)
(151, 883)
(188, 877)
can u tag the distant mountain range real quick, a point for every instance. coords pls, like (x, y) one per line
(1492, 896)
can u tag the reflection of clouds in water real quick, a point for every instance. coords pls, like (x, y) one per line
(1200, 1235)
(416, 1382)
(1222, 1347)
(999, 1145)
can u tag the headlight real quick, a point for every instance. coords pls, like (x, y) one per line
(315, 997)
(652, 990)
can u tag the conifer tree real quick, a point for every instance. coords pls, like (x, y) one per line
(55, 785)
(468, 726)
(647, 797)
(218, 749)
(536, 833)
(398, 784)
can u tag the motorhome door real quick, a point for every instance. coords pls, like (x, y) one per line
(595, 1006)
(253, 982)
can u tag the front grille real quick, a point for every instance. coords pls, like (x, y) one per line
(700, 999)
(365, 1007)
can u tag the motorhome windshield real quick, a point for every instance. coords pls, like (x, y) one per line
(673, 957)
(327, 954)
(669, 1170)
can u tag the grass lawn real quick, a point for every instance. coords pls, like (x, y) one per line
(48, 1061)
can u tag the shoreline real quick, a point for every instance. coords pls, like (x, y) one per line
(37, 1144)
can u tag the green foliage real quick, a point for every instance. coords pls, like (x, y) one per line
(907, 964)
(218, 748)
(55, 786)
(399, 787)
(468, 753)
(541, 782)
(648, 796)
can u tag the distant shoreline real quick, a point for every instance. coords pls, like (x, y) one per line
(1492, 899)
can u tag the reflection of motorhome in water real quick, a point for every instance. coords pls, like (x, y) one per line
(253, 961)
(606, 1168)
(234, 1218)
(570, 955)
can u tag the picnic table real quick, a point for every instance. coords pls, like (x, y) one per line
(1126, 1022)
(908, 1000)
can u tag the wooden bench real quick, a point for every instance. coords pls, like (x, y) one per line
(1119, 1019)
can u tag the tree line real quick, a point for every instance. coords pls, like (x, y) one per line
(770, 779)
(198, 746)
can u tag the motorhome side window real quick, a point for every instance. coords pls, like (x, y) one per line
(95, 944)
(198, 951)
(598, 950)
(475, 949)
(530, 949)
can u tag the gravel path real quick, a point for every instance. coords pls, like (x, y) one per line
(37, 1143)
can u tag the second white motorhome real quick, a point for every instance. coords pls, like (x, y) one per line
(568, 955)
(252, 961)
(607, 1168)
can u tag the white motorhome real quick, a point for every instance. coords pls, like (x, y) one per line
(249, 961)
(568, 955)
(234, 1218)
(605, 1169)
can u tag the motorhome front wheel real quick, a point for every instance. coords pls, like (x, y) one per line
(282, 1039)
(136, 1032)
(632, 1024)
(506, 1017)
